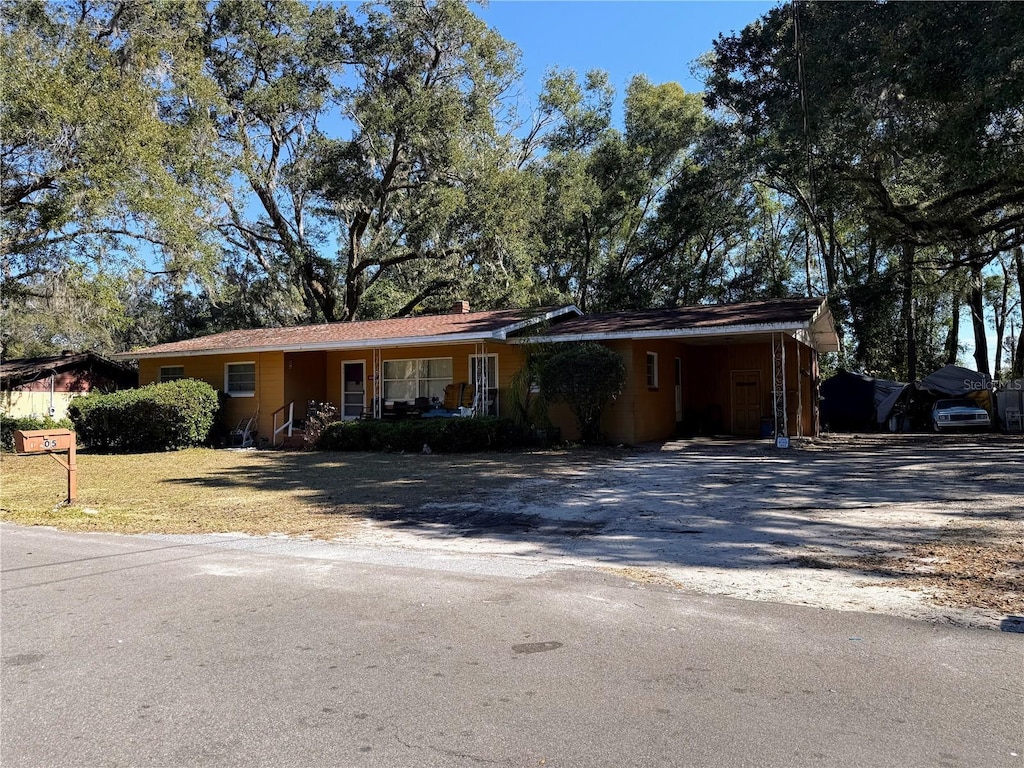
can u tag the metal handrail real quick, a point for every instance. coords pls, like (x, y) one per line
(286, 425)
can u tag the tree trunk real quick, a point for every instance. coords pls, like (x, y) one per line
(1018, 357)
(953, 336)
(978, 318)
(909, 319)
(1011, 347)
(1001, 311)
(585, 271)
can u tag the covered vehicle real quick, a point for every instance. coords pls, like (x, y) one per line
(852, 402)
(959, 413)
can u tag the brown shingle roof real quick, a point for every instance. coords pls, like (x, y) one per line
(20, 371)
(771, 312)
(810, 318)
(407, 330)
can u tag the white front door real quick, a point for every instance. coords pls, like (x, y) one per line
(353, 390)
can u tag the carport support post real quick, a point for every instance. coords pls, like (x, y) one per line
(377, 377)
(779, 384)
(815, 395)
(799, 395)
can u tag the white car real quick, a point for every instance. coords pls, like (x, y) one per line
(960, 413)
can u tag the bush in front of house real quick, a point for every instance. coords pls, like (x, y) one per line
(410, 435)
(587, 377)
(10, 423)
(158, 417)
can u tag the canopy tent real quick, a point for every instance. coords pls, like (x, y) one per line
(852, 401)
(915, 400)
(897, 395)
(960, 382)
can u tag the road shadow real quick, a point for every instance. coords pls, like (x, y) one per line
(728, 505)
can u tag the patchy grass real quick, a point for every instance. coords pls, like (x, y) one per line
(964, 574)
(981, 566)
(257, 492)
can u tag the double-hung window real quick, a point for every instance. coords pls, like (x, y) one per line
(240, 379)
(405, 380)
(652, 370)
(171, 373)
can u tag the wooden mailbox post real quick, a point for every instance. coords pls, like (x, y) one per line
(51, 441)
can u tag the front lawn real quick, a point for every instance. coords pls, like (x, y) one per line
(256, 492)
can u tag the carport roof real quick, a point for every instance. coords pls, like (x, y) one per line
(806, 318)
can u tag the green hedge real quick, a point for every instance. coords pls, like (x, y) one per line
(10, 423)
(410, 435)
(158, 417)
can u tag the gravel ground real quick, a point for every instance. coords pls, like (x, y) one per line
(928, 527)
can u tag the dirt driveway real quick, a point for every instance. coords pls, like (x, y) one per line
(915, 525)
(919, 526)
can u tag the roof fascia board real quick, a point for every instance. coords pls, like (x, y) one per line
(734, 330)
(570, 308)
(408, 341)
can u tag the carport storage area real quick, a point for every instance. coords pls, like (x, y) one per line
(742, 369)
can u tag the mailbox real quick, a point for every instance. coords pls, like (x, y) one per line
(51, 442)
(43, 440)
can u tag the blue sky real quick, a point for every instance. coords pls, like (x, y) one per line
(624, 38)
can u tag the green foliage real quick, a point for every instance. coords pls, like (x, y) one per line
(318, 417)
(10, 423)
(528, 401)
(426, 191)
(605, 232)
(206, 137)
(101, 151)
(587, 377)
(455, 435)
(898, 140)
(158, 417)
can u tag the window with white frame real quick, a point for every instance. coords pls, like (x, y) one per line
(405, 380)
(652, 370)
(171, 373)
(240, 379)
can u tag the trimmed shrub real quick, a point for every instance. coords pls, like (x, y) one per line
(410, 435)
(10, 423)
(587, 376)
(158, 417)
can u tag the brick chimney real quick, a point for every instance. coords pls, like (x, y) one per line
(460, 308)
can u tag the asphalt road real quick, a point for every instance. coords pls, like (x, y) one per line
(142, 651)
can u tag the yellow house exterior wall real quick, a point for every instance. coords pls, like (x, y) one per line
(707, 376)
(639, 414)
(654, 408)
(301, 376)
(269, 395)
(17, 404)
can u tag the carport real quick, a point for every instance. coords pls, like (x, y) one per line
(742, 369)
